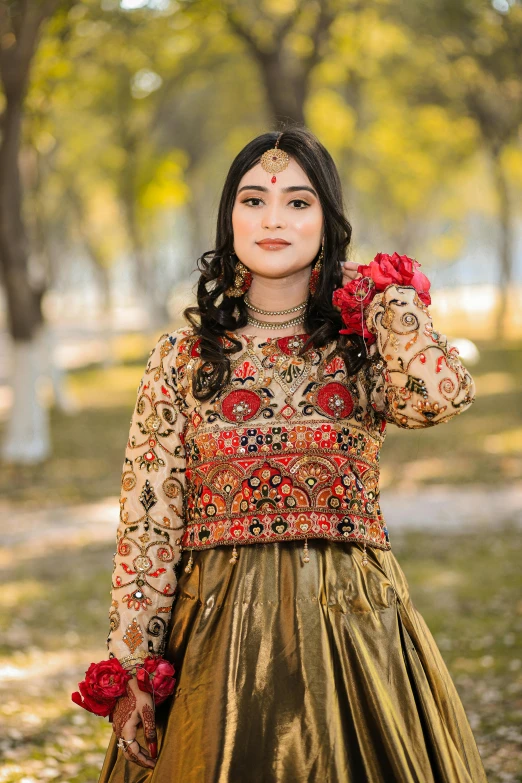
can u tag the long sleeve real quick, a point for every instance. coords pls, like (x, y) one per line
(416, 378)
(151, 515)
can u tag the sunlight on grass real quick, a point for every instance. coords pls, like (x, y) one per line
(19, 592)
(109, 388)
(509, 442)
(495, 383)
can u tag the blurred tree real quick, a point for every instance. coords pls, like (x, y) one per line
(27, 437)
(475, 70)
(398, 161)
(286, 39)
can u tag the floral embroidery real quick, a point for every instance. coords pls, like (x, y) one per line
(288, 450)
(151, 508)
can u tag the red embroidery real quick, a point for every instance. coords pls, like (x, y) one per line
(335, 400)
(240, 405)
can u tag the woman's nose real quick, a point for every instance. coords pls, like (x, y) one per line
(272, 218)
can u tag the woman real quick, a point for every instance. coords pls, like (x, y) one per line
(252, 553)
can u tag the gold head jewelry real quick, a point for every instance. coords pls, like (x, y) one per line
(275, 160)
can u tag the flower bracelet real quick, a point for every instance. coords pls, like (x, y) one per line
(107, 680)
(354, 298)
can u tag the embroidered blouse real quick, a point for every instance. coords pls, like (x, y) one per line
(288, 449)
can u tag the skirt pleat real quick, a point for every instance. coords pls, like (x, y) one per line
(290, 671)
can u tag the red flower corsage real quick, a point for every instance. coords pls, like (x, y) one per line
(107, 680)
(104, 683)
(156, 676)
(384, 270)
(353, 298)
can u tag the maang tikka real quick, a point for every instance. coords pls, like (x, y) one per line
(275, 160)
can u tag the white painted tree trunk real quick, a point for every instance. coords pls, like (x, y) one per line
(57, 375)
(27, 438)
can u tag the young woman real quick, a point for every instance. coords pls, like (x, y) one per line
(252, 554)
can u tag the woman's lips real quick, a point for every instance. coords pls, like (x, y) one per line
(273, 244)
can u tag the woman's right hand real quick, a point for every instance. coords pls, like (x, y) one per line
(135, 707)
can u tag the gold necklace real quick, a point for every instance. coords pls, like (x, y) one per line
(275, 324)
(275, 312)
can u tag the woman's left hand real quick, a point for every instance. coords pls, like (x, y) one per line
(350, 271)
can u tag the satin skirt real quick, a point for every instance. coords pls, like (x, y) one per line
(290, 671)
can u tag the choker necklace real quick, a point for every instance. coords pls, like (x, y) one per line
(275, 312)
(275, 324)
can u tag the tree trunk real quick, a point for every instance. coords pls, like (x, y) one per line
(27, 436)
(505, 250)
(286, 78)
(285, 95)
(28, 429)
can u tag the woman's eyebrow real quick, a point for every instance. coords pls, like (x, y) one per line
(289, 189)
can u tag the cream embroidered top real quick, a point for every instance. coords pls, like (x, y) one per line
(288, 449)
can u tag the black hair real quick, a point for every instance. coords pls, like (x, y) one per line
(215, 312)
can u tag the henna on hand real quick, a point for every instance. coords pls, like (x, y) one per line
(133, 757)
(149, 723)
(149, 729)
(123, 710)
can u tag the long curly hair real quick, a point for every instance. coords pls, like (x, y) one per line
(216, 312)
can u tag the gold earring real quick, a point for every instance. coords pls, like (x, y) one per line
(314, 277)
(242, 280)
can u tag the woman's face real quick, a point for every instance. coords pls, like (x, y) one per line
(287, 210)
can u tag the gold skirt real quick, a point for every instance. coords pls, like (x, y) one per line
(290, 671)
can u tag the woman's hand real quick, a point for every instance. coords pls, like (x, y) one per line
(131, 710)
(349, 273)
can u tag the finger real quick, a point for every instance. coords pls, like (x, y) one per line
(149, 728)
(138, 755)
(348, 276)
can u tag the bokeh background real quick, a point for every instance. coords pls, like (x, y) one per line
(119, 120)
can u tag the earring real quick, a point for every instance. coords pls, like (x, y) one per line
(242, 280)
(314, 277)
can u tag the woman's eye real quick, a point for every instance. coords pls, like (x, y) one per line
(294, 201)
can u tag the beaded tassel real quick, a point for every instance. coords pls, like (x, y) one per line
(306, 559)
(188, 567)
(235, 556)
(364, 558)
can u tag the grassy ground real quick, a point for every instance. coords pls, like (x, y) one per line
(54, 607)
(54, 617)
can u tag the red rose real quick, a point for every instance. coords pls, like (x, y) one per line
(386, 270)
(422, 284)
(104, 683)
(156, 675)
(353, 298)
